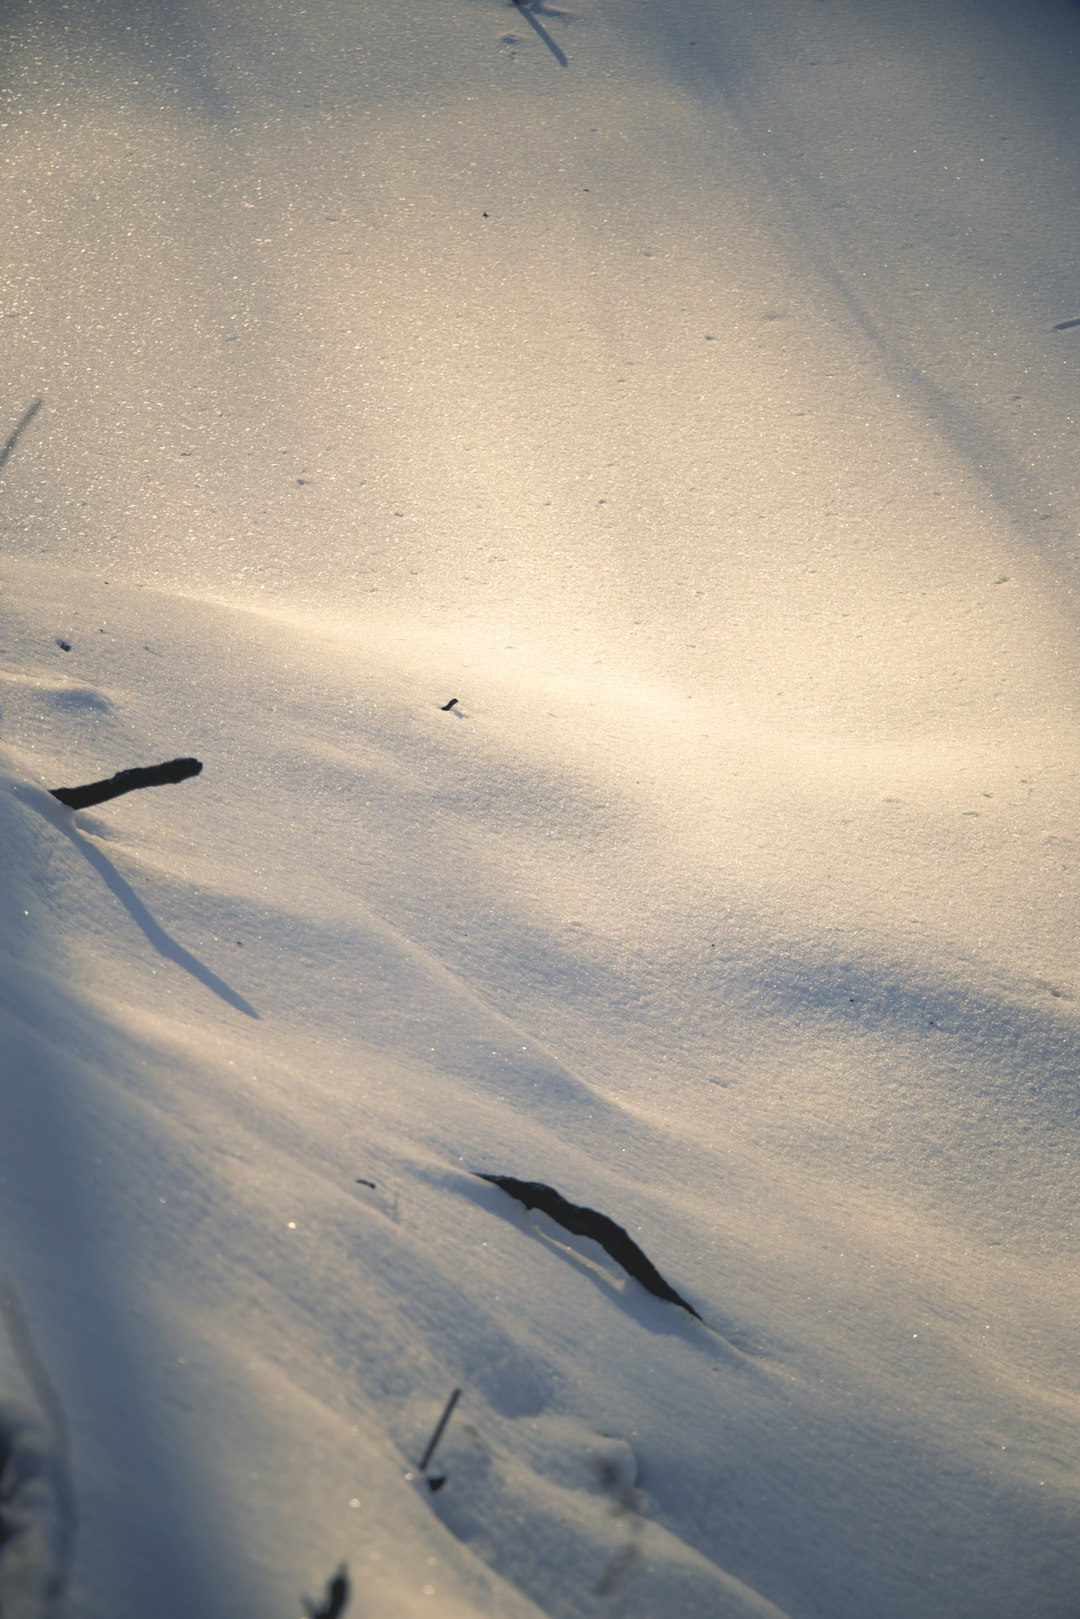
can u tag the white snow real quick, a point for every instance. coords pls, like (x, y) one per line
(694, 413)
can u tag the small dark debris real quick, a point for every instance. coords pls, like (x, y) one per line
(446, 707)
(1064, 325)
(337, 1595)
(65, 646)
(127, 781)
(367, 1183)
(436, 1484)
(584, 1222)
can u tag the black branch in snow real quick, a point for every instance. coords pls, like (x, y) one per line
(336, 1599)
(126, 781)
(446, 707)
(589, 1223)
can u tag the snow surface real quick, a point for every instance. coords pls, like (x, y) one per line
(688, 390)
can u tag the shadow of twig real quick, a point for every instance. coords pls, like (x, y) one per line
(20, 427)
(162, 942)
(526, 10)
(336, 1600)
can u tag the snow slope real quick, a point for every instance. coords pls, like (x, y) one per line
(689, 392)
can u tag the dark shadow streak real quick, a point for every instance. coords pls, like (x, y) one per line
(70, 1071)
(162, 942)
(20, 427)
(336, 1600)
(542, 31)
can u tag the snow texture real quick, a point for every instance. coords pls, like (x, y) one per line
(691, 390)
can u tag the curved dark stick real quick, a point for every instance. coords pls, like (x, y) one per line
(589, 1223)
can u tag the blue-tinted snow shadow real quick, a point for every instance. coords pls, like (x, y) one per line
(163, 44)
(723, 63)
(1005, 1036)
(153, 1539)
(162, 942)
(1007, 1039)
(91, 1322)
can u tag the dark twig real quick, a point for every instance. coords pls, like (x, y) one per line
(1065, 325)
(437, 1435)
(588, 1223)
(337, 1596)
(446, 707)
(126, 781)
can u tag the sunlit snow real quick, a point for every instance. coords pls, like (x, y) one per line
(689, 391)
